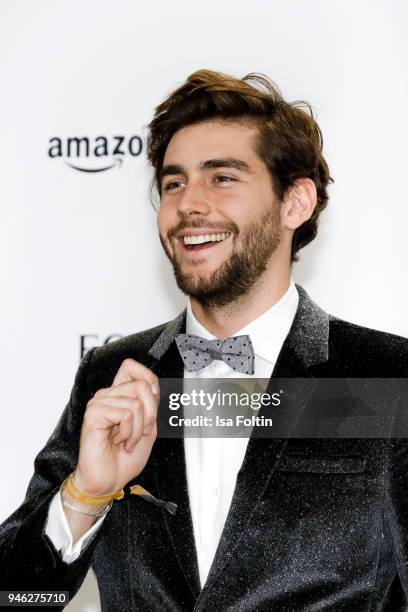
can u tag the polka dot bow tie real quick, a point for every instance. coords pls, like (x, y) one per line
(196, 352)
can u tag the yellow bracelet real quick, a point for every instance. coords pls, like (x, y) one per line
(88, 499)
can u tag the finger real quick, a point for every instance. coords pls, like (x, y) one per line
(150, 405)
(137, 429)
(118, 401)
(131, 369)
(139, 389)
(106, 418)
(125, 428)
(119, 434)
(142, 390)
(144, 441)
(135, 406)
(126, 395)
(133, 388)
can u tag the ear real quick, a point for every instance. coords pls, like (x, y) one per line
(299, 203)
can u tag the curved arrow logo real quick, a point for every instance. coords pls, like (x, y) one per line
(117, 161)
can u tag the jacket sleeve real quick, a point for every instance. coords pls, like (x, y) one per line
(58, 531)
(28, 559)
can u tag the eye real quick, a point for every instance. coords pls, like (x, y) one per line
(222, 178)
(172, 185)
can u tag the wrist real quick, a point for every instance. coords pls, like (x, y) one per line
(91, 491)
(86, 498)
(95, 508)
(92, 515)
(81, 484)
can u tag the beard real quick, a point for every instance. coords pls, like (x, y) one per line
(236, 275)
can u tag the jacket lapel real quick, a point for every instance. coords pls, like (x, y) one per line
(306, 345)
(169, 456)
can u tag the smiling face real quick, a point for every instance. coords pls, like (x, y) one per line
(219, 217)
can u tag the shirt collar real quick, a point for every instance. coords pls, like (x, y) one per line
(268, 331)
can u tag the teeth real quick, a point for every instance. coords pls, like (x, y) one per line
(205, 238)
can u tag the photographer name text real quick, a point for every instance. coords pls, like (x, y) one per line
(218, 421)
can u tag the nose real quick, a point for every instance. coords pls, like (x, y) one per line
(194, 200)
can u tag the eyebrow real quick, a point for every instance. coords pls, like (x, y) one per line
(227, 162)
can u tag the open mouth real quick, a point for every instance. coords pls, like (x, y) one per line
(204, 241)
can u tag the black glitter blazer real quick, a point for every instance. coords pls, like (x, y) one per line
(314, 525)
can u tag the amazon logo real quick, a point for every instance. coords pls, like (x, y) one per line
(94, 154)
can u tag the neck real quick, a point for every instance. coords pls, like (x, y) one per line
(225, 321)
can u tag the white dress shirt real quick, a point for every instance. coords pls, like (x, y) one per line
(212, 463)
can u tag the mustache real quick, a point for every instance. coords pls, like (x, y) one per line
(201, 223)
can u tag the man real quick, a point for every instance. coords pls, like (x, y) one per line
(278, 523)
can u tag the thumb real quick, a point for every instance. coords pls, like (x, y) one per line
(130, 369)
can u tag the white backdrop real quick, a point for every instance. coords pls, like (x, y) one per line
(79, 251)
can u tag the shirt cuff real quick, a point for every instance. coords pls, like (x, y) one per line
(57, 529)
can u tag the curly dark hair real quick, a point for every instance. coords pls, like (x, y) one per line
(289, 140)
